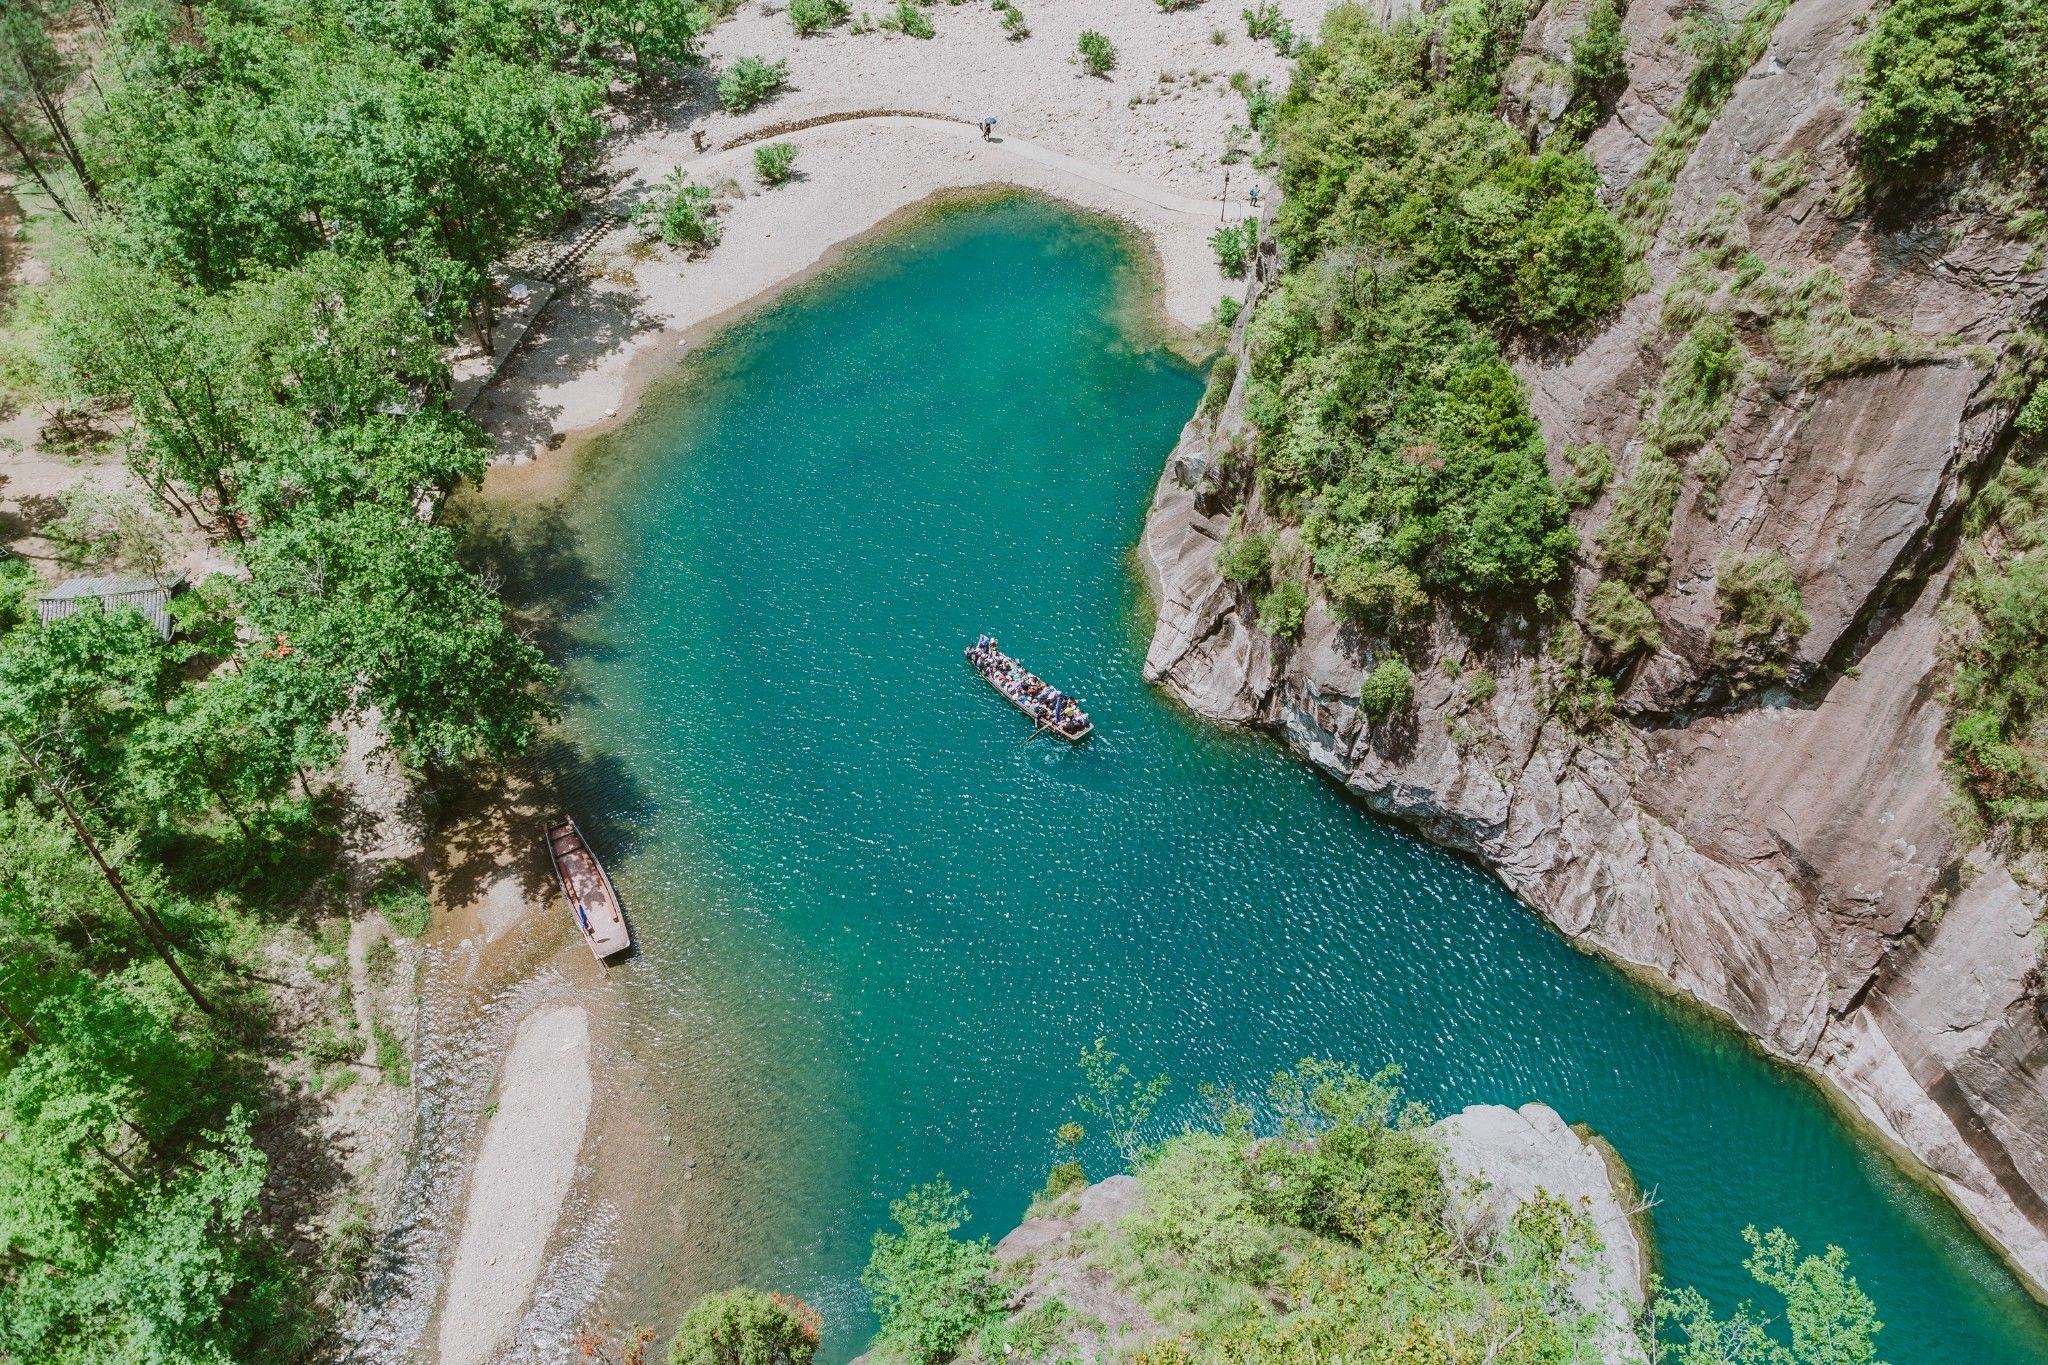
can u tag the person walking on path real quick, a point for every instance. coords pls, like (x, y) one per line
(987, 126)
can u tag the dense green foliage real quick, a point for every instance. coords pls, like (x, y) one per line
(298, 205)
(1096, 53)
(932, 1290)
(746, 1327)
(1388, 690)
(749, 82)
(1416, 226)
(1994, 626)
(1944, 80)
(1338, 1237)
(775, 162)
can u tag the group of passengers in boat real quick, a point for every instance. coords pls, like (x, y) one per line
(1047, 703)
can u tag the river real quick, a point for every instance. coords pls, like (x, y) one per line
(878, 923)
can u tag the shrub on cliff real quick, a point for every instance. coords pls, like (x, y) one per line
(749, 82)
(1940, 77)
(1418, 231)
(1283, 609)
(746, 1327)
(1245, 557)
(1621, 621)
(1761, 615)
(1388, 690)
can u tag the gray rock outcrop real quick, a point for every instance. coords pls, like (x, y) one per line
(1785, 859)
(1497, 1160)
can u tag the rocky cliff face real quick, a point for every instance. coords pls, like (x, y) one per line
(1497, 1160)
(1783, 858)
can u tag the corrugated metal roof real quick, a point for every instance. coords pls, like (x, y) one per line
(150, 596)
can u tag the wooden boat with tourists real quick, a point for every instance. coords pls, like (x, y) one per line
(589, 889)
(1054, 712)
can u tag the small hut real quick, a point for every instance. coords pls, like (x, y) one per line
(150, 596)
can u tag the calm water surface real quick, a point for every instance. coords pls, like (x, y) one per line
(879, 925)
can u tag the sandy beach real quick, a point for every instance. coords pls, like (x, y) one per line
(882, 123)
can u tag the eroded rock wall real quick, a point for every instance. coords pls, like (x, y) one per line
(1786, 858)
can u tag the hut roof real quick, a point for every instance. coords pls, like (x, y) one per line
(150, 596)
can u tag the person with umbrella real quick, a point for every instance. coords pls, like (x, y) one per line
(987, 126)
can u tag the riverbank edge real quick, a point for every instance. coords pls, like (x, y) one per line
(662, 360)
(1144, 317)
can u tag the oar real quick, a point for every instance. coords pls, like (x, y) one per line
(1041, 725)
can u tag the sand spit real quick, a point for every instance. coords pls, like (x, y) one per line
(522, 1177)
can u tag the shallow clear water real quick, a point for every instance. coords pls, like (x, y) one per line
(879, 925)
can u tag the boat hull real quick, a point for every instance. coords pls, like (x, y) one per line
(1072, 734)
(594, 904)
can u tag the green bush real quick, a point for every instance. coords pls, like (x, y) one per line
(1934, 75)
(910, 20)
(1097, 53)
(1621, 621)
(1015, 26)
(1233, 244)
(1283, 609)
(1217, 391)
(402, 900)
(750, 82)
(1265, 20)
(1480, 687)
(931, 1289)
(746, 1327)
(1244, 559)
(1599, 54)
(815, 16)
(774, 162)
(1388, 690)
(1761, 614)
(681, 213)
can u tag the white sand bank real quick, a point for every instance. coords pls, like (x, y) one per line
(522, 1176)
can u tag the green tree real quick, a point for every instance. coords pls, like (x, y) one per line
(931, 1289)
(746, 1327)
(1117, 1097)
(1829, 1319)
(375, 607)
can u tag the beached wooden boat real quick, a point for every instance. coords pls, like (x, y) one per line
(1053, 712)
(591, 898)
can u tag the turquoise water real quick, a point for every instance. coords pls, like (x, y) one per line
(878, 925)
